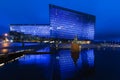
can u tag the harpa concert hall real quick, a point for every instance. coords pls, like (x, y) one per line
(64, 24)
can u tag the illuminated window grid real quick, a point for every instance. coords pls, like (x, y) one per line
(73, 24)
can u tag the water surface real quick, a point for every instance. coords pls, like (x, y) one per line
(88, 64)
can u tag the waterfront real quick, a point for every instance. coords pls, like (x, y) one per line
(13, 47)
(88, 64)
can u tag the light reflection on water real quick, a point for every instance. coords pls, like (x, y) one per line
(46, 49)
(12, 47)
(90, 57)
(4, 50)
(70, 63)
(5, 44)
(91, 64)
(64, 62)
(35, 59)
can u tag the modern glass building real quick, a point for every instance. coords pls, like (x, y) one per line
(37, 30)
(66, 24)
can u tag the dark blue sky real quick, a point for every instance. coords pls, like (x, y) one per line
(107, 14)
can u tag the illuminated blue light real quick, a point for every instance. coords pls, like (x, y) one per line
(90, 57)
(41, 30)
(64, 24)
(46, 49)
(67, 66)
(42, 59)
(67, 24)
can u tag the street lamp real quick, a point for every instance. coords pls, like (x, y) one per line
(6, 37)
(5, 34)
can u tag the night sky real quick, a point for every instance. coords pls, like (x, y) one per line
(107, 14)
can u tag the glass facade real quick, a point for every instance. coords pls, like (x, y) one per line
(66, 24)
(39, 30)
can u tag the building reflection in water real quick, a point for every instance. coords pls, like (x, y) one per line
(75, 55)
(90, 58)
(65, 64)
(42, 59)
(36, 66)
(74, 63)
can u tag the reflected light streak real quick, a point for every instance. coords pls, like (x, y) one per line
(42, 59)
(67, 66)
(5, 44)
(2, 64)
(90, 57)
(4, 51)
